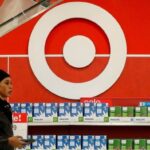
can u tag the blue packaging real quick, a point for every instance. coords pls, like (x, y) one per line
(64, 112)
(39, 110)
(64, 109)
(89, 109)
(26, 108)
(51, 110)
(77, 112)
(145, 104)
(50, 142)
(63, 142)
(88, 142)
(16, 108)
(100, 142)
(89, 112)
(102, 109)
(39, 142)
(75, 142)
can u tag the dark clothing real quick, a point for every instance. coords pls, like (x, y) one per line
(5, 125)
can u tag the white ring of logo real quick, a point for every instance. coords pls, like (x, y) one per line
(92, 13)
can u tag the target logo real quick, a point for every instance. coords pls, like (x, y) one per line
(78, 51)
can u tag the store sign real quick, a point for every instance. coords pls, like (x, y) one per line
(78, 51)
(95, 100)
(20, 124)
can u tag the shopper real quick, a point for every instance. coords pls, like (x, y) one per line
(7, 140)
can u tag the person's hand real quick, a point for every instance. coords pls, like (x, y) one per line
(16, 142)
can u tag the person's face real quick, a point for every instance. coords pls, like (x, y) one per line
(6, 87)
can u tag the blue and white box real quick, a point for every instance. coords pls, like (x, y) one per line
(16, 108)
(101, 111)
(75, 142)
(39, 142)
(50, 142)
(26, 108)
(145, 104)
(100, 142)
(39, 112)
(51, 112)
(89, 112)
(88, 142)
(63, 142)
(64, 112)
(77, 112)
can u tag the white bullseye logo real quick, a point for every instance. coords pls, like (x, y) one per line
(78, 51)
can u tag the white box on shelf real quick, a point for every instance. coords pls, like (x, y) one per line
(63, 142)
(64, 112)
(87, 142)
(75, 142)
(39, 112)
(76, 112)
(89, 112)
(51, 112)
(39, 142)
(27, 108)
(100, 142)
(50, 142)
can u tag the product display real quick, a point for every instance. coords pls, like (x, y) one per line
(83, 112)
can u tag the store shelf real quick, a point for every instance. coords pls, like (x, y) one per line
(90, 124)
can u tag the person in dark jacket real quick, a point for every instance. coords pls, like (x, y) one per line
(7, 140)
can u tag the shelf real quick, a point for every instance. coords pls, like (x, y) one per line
(90, 124)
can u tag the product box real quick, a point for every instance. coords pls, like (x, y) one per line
(51, 112)
(101, 111)
(63, 142)
(128, 111)
(126, 144)
(147, 104)
(87, 142)
(39, 142)
(144, 111)
(115, 111)
(148, 111)
(27, 108)
(141, 111)
(148, 144)
(100, 142)
(114, 144)
(140, 144)
(76, 112)
(89, 112)
(39, 112)
(75, 142)
(50, 142)
(16, 108)
(64, 112)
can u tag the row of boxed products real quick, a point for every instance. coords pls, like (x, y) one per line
(86, 142)
(79, 112)
(68, 142)
(61, 111)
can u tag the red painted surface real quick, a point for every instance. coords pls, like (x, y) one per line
(132, 84)
(3, 63)
(133, 17)
(1, 2)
